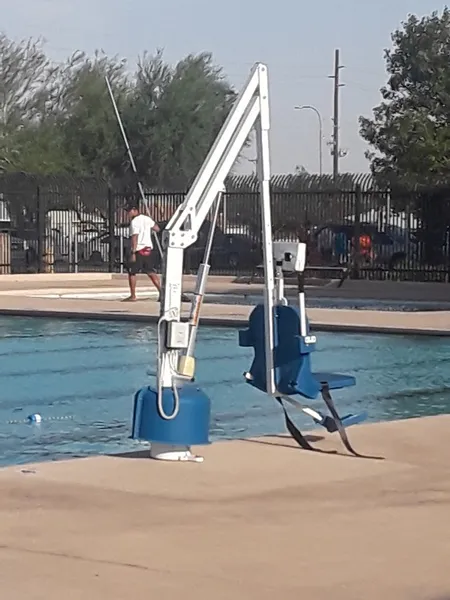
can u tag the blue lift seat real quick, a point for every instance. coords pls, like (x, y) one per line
(334, 381)
(292, 367)
(292, 356)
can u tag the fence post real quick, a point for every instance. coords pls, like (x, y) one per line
(357, 232)
(5, 253)
(41, 245)
(112, 230)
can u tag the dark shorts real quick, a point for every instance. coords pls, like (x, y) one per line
(143, 264)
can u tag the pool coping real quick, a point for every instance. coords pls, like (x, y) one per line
(231, 321)
(88, 519)
(28, 302)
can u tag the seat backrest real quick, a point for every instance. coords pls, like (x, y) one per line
(291, 355)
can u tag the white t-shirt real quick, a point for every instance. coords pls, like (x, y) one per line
(142, 227)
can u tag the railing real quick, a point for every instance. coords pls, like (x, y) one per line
(72, 225)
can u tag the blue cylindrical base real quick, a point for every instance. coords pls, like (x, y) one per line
(189, 428)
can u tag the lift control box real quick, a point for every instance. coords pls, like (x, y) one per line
(178, 335)
(291, 254)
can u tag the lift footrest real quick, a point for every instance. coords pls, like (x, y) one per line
(352, 419)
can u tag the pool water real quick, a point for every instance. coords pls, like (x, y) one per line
(81, 377)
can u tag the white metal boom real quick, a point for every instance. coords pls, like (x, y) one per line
(251, 109)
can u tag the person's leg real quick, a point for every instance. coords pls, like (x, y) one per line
(132, 284)
(149, 268)
(154, 278)
(133, 269)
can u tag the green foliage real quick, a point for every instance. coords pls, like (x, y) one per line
(90, 135)
(174, 116)
(26, 82)
(58, 119)
(410, 131)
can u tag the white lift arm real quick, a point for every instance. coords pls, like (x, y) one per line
(251, 109)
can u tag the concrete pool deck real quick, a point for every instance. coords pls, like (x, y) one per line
(365, 289)
(29, 301)
(258, 518)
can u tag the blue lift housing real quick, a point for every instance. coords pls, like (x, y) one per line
(190, 427)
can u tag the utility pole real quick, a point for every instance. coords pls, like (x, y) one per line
(335, 143)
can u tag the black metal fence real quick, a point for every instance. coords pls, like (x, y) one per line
(63, 224)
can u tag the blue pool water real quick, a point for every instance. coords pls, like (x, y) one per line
(81, 377)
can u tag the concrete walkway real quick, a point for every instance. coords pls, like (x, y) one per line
(363, 289)
(258, 519)
(430, 323)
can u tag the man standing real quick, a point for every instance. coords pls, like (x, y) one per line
(141, 259)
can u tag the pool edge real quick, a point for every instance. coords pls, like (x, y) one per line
(217, 321)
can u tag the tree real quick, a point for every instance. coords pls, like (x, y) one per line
(85, 116)
(175, 115)
(59, 119)
(410, 130)
(26, 83)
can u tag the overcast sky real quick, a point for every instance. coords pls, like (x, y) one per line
(296, 38)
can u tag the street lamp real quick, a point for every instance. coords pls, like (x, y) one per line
(314, 109)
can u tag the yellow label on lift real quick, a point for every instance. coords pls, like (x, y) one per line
(186, 366)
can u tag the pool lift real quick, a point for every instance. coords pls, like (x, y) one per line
(174, 415)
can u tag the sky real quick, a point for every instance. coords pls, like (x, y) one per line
(295, 38)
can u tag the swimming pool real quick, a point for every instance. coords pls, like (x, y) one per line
(81, 377)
